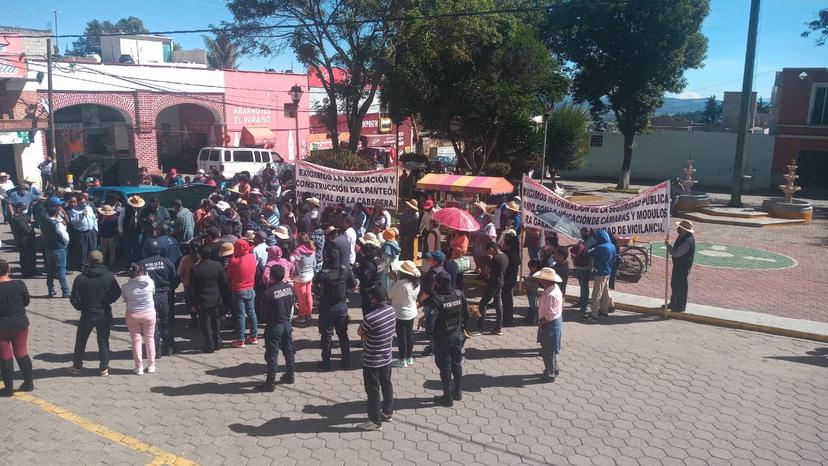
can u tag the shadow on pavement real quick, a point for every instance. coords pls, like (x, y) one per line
(477, 382)
(208, 388)
(348, 408)
(287, 426)
(476, 353)
(817, 357)
(89, 356)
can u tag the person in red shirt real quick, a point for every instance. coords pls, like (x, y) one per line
(241, 275)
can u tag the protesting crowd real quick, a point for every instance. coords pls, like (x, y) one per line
(252, 256)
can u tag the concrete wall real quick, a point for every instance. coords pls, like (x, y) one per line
(98, 77)
(663, 155)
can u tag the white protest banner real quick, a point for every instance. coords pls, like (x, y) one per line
(349, 187)
(646, 214)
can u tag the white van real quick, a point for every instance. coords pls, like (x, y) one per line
(231, 160)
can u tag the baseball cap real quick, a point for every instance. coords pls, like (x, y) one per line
(439, 256)
(54, 200)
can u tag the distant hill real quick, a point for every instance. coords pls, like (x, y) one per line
(672, 105)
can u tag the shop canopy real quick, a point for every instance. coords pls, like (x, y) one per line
(257, 137)
(486, 185)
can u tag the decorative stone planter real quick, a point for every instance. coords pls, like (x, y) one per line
(794, 209)
(693, 201)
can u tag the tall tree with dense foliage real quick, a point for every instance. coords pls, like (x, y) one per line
(222, 50)
(347, 44)
(91, 40)
(567, 139)
(712, 112)
(818, 27)
(627, 55)
(476, 80)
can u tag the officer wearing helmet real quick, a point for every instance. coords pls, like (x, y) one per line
(162, 271)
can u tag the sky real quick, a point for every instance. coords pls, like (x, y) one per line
(779, 44)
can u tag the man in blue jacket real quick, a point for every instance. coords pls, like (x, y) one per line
(603, 256)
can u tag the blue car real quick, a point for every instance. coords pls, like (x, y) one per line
(190, 195)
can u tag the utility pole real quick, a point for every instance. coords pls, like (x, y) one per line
(52, 141)
(744, 109)
(57, 41)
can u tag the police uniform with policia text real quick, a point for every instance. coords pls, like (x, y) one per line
(450, 313)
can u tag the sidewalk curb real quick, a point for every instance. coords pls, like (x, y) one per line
(718, 322)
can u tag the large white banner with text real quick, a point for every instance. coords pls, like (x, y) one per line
(348, 187)
(646, 214)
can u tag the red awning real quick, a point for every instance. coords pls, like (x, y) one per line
(465, 184)
(257, 136)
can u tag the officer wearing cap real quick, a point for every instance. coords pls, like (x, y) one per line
(163, 273)
(450, 313)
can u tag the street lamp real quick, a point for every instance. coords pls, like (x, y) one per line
(546, 117)
(296, 95)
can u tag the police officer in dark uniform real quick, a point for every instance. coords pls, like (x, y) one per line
(163, 273)
(450, 312)
(276, 311)
(25, 240)
(334, 282)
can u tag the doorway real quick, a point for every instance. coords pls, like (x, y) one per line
(7, 162)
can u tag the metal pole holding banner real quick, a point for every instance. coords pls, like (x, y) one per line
(666, 274)
(521, 236)
(667, 248)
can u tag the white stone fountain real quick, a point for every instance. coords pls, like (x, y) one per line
(788, 207)
(689, 200)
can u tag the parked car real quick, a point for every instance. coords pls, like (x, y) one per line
(231, 160)
(190, 195)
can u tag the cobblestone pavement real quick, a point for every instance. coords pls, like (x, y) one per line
(633, 389)
(797, 292)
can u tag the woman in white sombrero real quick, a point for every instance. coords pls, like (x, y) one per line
(550, 320)
(403, 297)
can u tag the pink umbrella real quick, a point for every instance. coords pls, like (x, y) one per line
(456, 219)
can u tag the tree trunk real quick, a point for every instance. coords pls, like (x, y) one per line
(624, 180)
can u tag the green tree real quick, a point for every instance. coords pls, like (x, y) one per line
(712, 112)
(91, 40)
(819, 26)
(475, 80)
(567, 139)
(339, 160)
(332, 38)
(222, 50)
(631, 53)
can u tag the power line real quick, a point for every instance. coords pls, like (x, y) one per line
(460, 14)
(175, 91)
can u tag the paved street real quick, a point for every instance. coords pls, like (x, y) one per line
(633, 389)
(797, 292)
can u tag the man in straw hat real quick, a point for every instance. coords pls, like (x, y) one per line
(550, 320)
(409, 221)
(130, 228)
(682, 252)
(108, 227)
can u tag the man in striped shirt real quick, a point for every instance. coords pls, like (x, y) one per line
(377, 332)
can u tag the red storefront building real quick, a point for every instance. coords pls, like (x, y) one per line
(799, 120)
